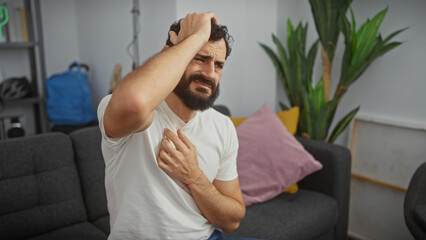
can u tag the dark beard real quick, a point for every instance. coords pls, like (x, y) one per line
(194, 100)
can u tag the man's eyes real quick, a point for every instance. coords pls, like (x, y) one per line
(202, 60)
(219, 65)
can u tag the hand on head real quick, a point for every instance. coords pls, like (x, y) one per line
(194, 24)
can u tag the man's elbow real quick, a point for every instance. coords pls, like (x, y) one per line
(234, 225)
(127, 116)
(231, 227)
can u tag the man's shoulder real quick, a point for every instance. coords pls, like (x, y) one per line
(217, 121)
(215, 115)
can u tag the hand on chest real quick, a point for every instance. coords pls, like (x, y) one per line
(208, 150)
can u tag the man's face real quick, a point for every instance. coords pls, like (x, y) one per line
(199, 85)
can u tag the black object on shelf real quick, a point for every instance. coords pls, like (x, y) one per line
(15, 88)
(16, 130)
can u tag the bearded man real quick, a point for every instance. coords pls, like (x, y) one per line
(170, 158)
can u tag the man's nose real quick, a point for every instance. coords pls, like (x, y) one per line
(209, 71)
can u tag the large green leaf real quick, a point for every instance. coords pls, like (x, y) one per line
(306, 112)
(323, 121)
(367, 63)
(290, 30)
(392, 35)
(274, 58)
(277, 63)
(317, 96)
(287, 70)
(366, 38)
(311, 57)
(326, 15)
(343, 123)
(347, 33)
(365, 46)
(352, 40)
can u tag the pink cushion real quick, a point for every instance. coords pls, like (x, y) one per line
(270, 158)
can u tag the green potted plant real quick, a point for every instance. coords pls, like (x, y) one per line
(294, 65)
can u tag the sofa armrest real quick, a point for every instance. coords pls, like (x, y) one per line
(333, 179)
(415, 203)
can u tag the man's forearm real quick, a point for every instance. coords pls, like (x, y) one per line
(222, 211)
(133, 101)
(140, 92)
(153, 81)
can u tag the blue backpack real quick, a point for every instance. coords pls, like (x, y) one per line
(69, 99)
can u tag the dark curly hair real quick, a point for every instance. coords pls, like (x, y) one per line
(217, 32)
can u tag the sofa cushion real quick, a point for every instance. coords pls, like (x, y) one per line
(39, 186)
(289, 118)
(91, 167)
(270, 159)
(103, 224)
(81, 231)
(303, 215)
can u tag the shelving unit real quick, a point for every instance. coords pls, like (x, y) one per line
(32, 109)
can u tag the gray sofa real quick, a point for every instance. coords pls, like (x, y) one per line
(415, 203)
(52, 187)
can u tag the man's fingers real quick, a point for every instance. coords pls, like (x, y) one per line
(212, 17)
(184, 139)
(164, 157)
(168, 147)
(162, 164)
(173, 37)
(196, 23)
(175, 139)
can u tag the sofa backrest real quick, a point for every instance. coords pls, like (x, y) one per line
(414, 199)
(39, 186)
(91, 167)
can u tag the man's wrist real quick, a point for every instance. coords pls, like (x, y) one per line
(197, 40)
(195, 179)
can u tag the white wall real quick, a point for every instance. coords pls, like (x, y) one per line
(104, 31)
(94, 32)
(156, 18)
(97, 32)
(59, 34)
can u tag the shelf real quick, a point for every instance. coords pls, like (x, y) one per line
(32, 108)
(18, 45)
(30, 100)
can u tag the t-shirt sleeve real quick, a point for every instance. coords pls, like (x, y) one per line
(228, 164)
(109, 142)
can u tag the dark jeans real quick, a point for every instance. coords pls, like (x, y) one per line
(217, 235)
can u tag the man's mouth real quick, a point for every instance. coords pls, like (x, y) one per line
(203, 84)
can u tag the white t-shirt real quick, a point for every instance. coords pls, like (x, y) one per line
(143, 201)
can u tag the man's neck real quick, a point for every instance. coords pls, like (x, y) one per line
(177, 106)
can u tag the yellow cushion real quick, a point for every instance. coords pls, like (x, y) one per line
(292, 189)
(238, 120)
(289, 118)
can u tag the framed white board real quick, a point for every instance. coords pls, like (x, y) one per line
(386, 151)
